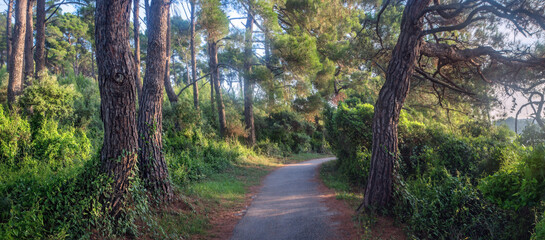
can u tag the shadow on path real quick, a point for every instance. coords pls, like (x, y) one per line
(289, 206)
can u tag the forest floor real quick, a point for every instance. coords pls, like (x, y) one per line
(347, 198)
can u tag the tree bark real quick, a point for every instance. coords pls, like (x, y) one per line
(248, 83)
(15, 84)
(172, 97)
(212, 82)
(215, 77)
(8, 33)
(29, 40)
(136, 22)
(193, 60)
(40, 37)
(378, 193)
(116, 78)
(151, 162)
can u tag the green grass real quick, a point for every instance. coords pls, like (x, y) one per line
(229, 186)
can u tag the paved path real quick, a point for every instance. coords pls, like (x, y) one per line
(289, 207)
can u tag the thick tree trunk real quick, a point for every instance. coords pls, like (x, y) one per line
(172, 97)
(378, 193)
(15, 83)
(248, 83)
(29, 40)
(116, 78)
(151, 162)
(215, 77)
(136, 22)
(193, 59)
(8, 33)
(40, 37)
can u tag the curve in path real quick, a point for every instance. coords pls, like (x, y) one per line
(289, 206)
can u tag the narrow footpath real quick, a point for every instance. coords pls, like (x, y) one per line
(290, 206)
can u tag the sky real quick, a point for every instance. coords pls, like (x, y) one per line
(182, 8)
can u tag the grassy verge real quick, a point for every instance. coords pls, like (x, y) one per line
(218, 198)
(340, 183)
(370, 226)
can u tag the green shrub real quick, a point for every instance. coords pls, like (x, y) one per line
(59, 148)
(522, 186)
(192, 157)
(66, 204)
(289, 130)
(15, 140)
(440, 206)
(349, 133)
(532, 135)
(539, 232)
(45, 98)
(456, 155)
(86, 108)
(47, 205)
(269, 148)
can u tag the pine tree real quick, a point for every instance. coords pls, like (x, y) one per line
(151, 161)
(117, 84)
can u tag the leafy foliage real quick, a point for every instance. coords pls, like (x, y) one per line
(349, 133)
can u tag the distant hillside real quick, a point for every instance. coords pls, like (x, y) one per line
(510, 122)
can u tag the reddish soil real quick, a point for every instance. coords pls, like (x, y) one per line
(223, 221)
(347, 227)
(383, 228)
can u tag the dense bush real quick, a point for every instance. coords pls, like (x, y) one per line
(519, 186)
(349, 133)
(15, 140)
(46, 145)
(45, 98)
(289, 130)
(438, 205)
(40, 204)
(532, 135)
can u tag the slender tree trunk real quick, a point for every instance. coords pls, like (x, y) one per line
(29, 39)
(241, 82)
(151, 162)
(15, 84)
(172, 97)
(40, 37)
(136, 22)
(212, 82)
(188, 79)
(116, 78)
(146, 8)
(378, 193)
(215, 77)
(193, 59)
(93, 65)
(267, 46)
(8, 33)
(248, 83)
